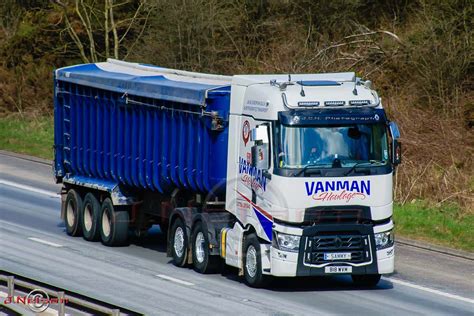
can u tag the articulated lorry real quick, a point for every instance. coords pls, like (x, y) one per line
(276, 175)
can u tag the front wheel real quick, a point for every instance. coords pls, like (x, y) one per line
(253, 273)
(366, 280)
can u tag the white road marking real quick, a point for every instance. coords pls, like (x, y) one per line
(165, 277)
(29, 188)
(41, 241)
(427, 289)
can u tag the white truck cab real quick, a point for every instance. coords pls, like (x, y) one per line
(310, 168)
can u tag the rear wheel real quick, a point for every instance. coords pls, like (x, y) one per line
(203, 262)
(113, 224)
(91, 218)
(253, 273)
(179, 243)
(73, 213)
(366, 280)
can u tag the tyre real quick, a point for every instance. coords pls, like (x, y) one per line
(90, 218)
(366, 280)
(113, 224)
(73, 213)
(179, 243)
(203, 262)
(253, 274)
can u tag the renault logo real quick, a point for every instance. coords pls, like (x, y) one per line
(337, 242)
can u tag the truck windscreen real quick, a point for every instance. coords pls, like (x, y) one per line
(331, 146)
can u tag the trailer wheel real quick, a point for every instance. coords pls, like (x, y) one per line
(113, 224)
(73, 213)
(91, 218)
(179, 243)
(203, 262)
(366, 280)
(253, 274)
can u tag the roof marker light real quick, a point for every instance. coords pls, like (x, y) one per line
(308, 103)
(359, 102)
(334, 103)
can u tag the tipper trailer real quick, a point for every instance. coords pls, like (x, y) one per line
(276, 175)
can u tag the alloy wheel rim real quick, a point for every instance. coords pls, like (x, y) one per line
(199, 245)
(251, 261)
(179, 242)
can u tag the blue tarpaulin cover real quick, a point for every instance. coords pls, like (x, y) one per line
(132, 82)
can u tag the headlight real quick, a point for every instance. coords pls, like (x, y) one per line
(286, 242)
(384, 240)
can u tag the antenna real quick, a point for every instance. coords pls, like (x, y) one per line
(289, 77)
(302, 89)
(356, 81)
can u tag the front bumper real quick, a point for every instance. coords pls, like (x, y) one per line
(285, 263)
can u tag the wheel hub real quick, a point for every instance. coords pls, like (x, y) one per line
(251, 261)
(179, 242)
(88, 217)
(70, 214)
(106, 223)
(199, 245)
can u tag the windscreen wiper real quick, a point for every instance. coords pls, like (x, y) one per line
(370, 162)
(306, 168)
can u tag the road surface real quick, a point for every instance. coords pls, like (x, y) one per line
(140, 277)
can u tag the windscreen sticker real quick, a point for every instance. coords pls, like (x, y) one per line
(338, 190)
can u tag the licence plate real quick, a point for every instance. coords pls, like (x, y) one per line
(337, 256)
(338, 269)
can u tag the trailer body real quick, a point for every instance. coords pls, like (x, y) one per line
(274, 174)
(143, 132)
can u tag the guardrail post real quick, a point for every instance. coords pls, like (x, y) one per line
(116, 312)
(62, 307)
(11, 285)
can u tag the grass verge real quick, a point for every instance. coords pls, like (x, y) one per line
(445, 225)
(27, 136)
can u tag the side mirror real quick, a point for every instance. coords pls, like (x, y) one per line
(396, 154)
(260, 134)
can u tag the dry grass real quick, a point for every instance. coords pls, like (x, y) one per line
(438, 156)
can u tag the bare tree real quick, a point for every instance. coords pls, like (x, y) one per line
(83, 16)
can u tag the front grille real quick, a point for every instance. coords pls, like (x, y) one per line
(357, 245)
(337, 215)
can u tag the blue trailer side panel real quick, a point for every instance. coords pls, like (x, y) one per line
(59, 105)
(147, 133)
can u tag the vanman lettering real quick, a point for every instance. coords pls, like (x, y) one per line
(360, 186)
(246, 168)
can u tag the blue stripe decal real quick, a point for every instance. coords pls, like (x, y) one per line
(265, 222)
